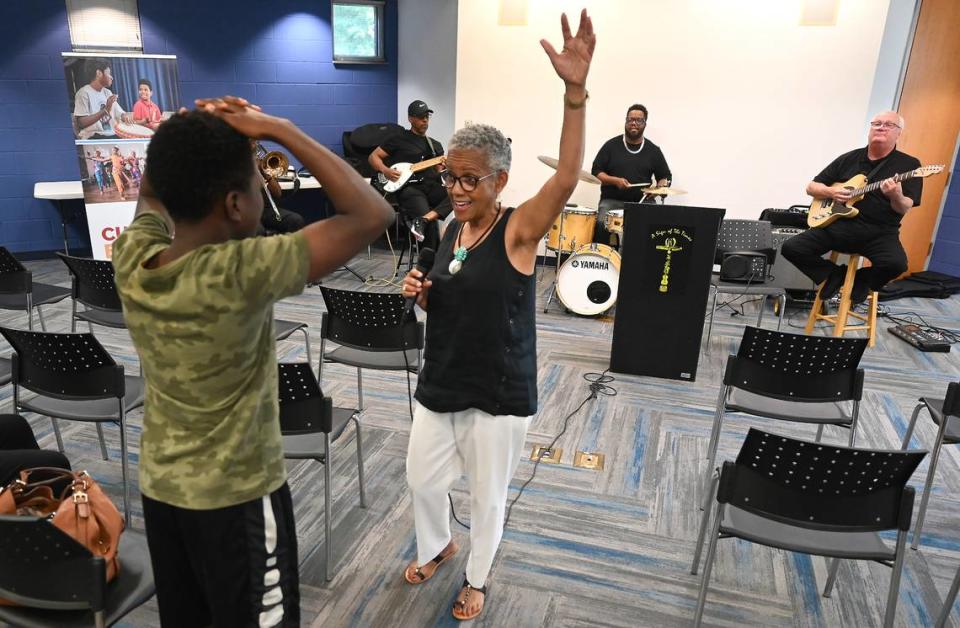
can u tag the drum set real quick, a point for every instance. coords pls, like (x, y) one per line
(587, 281)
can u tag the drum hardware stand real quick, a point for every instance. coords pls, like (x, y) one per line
(556, 274)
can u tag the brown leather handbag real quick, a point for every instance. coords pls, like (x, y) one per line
(83, 511)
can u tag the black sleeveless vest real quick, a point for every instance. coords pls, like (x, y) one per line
(481, 347)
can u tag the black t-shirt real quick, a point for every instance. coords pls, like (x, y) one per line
(875, 206)
(614, 159)
(411, 148)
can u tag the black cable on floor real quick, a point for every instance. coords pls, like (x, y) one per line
(598, 386)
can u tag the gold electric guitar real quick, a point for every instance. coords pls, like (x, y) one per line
(824, 211)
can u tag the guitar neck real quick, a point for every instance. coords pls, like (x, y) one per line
(903, 176)
(429, 163)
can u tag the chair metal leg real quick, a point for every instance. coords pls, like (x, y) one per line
(323, 345)
(913, 424)
(763, 305)
(934, 457)
(894, 593)
(819, 433)
(714, 443)
(103, 443)
(783, 307)
(855, 418)
(99, 619)
(124, 467)
(708, 567)
(56, 432)
(43, 324)
(713, 310)
(306, 341)
(30, 311)
(363, 493)
(327, 527)
(948, 602)
(360, 388)
(90, 327)
(704, 522)
(831, 577)
(73, 316)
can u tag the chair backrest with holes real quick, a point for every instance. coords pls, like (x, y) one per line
(745, 235)
(14, 278)
(43, 567)
(797, 367)
(369, 320)
(65, 366)
(93, 283)
(821, 486)
(303, 408)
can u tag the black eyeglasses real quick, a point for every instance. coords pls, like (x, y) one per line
(637, 121)
(468, 182)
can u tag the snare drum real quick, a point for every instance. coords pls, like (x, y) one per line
(572, 229)
(613, 221)
(130, 131)
(587, 282)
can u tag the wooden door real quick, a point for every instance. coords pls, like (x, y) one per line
(930, 105)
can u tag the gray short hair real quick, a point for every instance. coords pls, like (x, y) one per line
(487, 139)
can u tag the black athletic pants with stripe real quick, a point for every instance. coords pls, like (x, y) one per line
(229, 567)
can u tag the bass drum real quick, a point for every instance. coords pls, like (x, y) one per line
(587, 282)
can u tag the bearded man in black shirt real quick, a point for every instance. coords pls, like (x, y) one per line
(622, 161)
(875, 231)
(422, 198)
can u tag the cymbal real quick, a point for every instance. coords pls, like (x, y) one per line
(665, 191)
(584, 176)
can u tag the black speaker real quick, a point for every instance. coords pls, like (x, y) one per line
(743, 266)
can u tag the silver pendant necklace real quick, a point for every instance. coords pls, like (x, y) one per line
(627, 146)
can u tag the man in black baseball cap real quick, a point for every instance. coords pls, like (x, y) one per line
(422, 198)
(418, 109)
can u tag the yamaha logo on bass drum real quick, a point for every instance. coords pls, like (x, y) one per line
(590, 264)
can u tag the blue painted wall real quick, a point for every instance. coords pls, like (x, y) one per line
(275, 53)
(946, 248)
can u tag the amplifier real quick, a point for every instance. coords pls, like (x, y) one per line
(783, 272)
(744, 266)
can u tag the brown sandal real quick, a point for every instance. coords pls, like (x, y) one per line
(418, 574)
(460, 604)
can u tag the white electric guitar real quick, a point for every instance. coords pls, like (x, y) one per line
(406, 170)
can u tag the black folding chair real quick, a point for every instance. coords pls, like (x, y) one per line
(18, 291)
(95, 290)
(74, 378)
(791, 377)
(58, 582)
(310, 423)
(946, 414)
(371, 333)
(751, 236)
(803, 496)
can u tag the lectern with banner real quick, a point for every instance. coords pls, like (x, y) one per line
(664, 283)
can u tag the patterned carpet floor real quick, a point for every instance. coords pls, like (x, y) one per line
(583, 547)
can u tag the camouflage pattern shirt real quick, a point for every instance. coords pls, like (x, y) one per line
(203, 327)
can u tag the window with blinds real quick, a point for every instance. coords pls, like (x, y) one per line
(107, 25)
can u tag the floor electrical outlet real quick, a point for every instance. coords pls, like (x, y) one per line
(545, 454)
(586, 460)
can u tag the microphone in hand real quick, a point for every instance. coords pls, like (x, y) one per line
(424, 264)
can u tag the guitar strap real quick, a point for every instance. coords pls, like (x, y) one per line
(876, 168)
(433, 150)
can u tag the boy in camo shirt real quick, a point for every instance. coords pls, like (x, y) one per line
(199, 307)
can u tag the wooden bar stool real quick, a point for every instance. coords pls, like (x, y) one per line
(839, 320)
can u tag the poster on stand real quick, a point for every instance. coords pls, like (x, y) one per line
(116, 104)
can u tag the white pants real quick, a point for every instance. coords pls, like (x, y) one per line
(445, 446)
